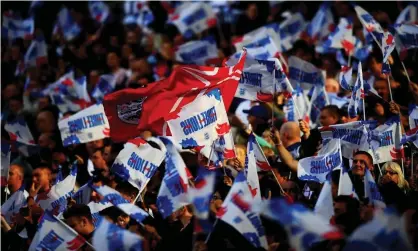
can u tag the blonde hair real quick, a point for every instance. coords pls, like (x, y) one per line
(393, 166)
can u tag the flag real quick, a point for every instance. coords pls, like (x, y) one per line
(83, 194)
(5, 163)
(289, 30)
(37, 53)
(223, 148)
(13, 28)
(386, 231)
(316, 168)
(413, 116)
(304, 74)
(261, 43)
(409, 15)
(236, 211)
(85, 126)
(59, 176)
(373, 28)
(406, 37)
(54, 234)
(109, 237)
(371, 190)
(192, 18)
(303, 227)
(55, 200)
(139, 13)
(197, 52)
(319, 100)
(346, 76)
(385, 141)
(66, 25)
(11, 206)
(338, 101)
(99, 11)
(250, 169)
(342, 37)
(200, 122)
(388, 44)
(95, 208)
(410, 136)
(114, 197)
(324, 206)
(173, 191)
(19, 131)
(105, 85)
(345, 185)
(356, 103)
(137, 163)
(322, 24)
(133, 110)
(297, 106)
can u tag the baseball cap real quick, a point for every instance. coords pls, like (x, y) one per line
(258, 111)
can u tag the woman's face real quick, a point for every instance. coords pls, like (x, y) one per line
(392, 175)
(379, 110)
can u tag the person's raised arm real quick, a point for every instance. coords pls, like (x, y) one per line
(284, 154)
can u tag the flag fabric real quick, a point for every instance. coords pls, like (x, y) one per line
(5, 163)
(95, 208)
(55, 200)
(11, 206)
(413, 116)
(250, 169)
(345, 77)
(354, 136)
(345, 186)
(406, 37)
(109, 237)
(385, 141)
(371, 190)
(409, 15)
(99, 11)
(116, 199)
(304, 74)
(138, 12)
(322, 24)
(13, 28)
(37, 53)
(200, 122)
(261, 43)
(137, 162)
(303, 226)
(192, 18)
(85, 126)
(324, 205)
(236, 211)
(54, 234)
(198, 51)
(297, 106)
(316, 168)
(386, 231)
(66, 25)
(289, 30)
(342, 37)
(410, 136)
(334, 99)
(319, 100)
(356, 103)
(174, 187)
(19, 131)
(388, 44)
(369, 23)
(83, 194)
(59, 176)
(222, 149)
(261, 161)
(133, 110)
(105, 85)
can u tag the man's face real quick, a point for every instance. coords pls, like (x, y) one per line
(360, 163)
(112, 60)
(381, 88)
(326, 119)
(15, 176)
(339, 208)
(100, 163)
(45, 122)
(15, 106)
(107, 153)
(41, 177)
(93, 145)
(78, 224)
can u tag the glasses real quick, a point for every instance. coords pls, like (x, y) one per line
(362, 162)
(390, 173)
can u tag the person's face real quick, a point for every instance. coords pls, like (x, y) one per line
(252, 12)
(93, 145)
(376, 68)
(45, 122)
(326, 119)
(107, 153)
(44, 141)
(112, 60)
(98, 161)
(334, 190)
(392, 175)
(114, 41)
(332, 86)
(360, 163)
(339, 208)
(379, 110)
(79, 224)
(15, 178)
(9, 91)
(381, 88)
(93, 78)
(167, 51)
(41, 177)
(131, 38)
(15, 106)
(123, 220)
(216, 200)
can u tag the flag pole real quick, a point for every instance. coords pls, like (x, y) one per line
(277, 180)
(406, 72)
(412, 163)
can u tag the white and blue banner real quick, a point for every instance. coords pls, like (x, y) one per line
(197, 52)
(11, 206)
(19, 131)
(304, 74)
(17, 28)
(261, 43)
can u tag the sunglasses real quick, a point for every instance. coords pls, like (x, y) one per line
(390, 172)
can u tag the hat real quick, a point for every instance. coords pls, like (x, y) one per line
(258, 111)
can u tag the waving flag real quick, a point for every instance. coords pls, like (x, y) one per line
(316, 168)
(250, 169)
(261, 43)
(386, 231)
(356, 103)
(236, 211)
(388, 44)
(345, 186)
(201, 122)
(223, 149)
(289, 30)
(345, 76)
(373, 28)
(66, 25)
(54, 234)
(99, 11)
(55, 201)
(304, 74)
(197, 52)
(105, 85)
(95, 208)
(37, 53)
(342, 37)
(413, 116)
(14, 203)
(406, 38)
(297, 107)
(19, 131)
(137, 162)
(386, 141)
(303, 227)
(83, 194)
(173, 191)
(109, 237)
(133, 110)
(324, 205)
(318, 101)
(409, 15)
(16, 28)
(193, 18)
(5, 163)
(138, 12)
(85, 126)
(322, 23)
(410, 136)
(371, 190)
(338, 101)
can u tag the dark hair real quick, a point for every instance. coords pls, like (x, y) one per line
(52, 109)
(127, 188)
(112, 212)
(17, 98)
(334, 110)
(335, 176)
(78, 210)
(364, 153)
(352, 204)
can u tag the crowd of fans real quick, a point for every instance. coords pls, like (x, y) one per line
(145, 56)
